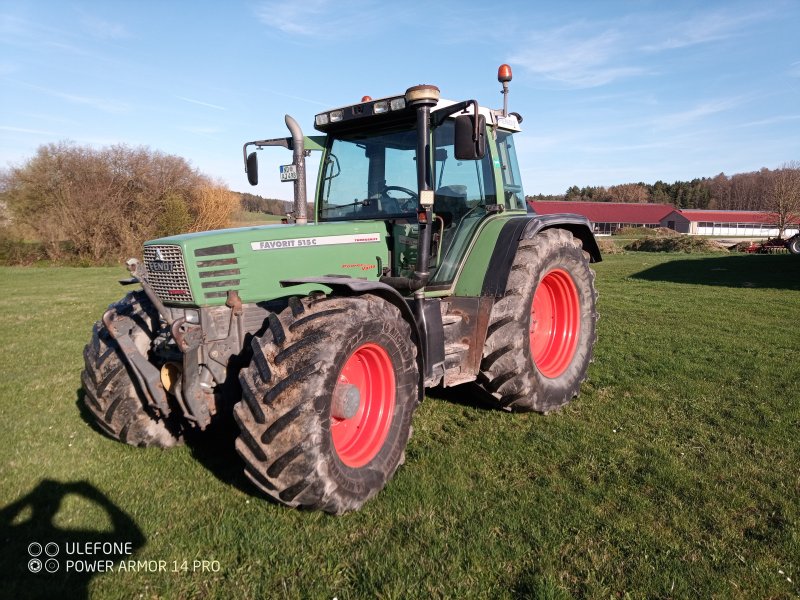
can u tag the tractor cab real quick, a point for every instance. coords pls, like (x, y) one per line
(369, 172)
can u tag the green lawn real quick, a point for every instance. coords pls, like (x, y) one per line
(674, 475)
(246, 219)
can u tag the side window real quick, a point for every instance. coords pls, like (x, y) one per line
(512, 182)
(469, 181)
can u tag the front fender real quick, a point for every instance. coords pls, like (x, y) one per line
(348, 286)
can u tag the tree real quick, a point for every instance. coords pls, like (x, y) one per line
(784, 195)
(629, 192)
(573, 194)
(101, 204)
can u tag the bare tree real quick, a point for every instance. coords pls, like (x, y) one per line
(784, 197)
(102, 204)
(629, 192)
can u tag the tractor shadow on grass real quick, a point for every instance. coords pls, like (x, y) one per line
(467, 395)
(215, 449)
(35, 550)
(767, 271)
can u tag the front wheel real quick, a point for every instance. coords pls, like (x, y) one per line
(542, 332)
(111, 394)
(327, 402)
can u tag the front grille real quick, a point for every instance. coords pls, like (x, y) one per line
(166, 273)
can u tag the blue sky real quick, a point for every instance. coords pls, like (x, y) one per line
(611, 92)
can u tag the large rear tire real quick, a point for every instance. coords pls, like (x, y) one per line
(117, 404)
(327, 402)
(541, 334)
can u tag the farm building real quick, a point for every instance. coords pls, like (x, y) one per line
(610, 216)
(726, 222)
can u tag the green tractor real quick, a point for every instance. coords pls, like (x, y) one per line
(422, 266)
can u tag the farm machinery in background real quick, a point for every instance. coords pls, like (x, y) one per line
(421, 266)
(775, 245)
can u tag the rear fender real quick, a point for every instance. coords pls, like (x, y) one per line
(494, 283)
(578, 225)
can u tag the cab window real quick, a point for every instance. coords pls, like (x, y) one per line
(369, 176)
(462, 190)
(512, 182)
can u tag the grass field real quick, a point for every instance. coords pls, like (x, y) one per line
(246, 219)
(673, 475)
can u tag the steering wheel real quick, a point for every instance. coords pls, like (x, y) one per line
(405, 204)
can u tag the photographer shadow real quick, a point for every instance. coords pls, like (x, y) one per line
(33, 551)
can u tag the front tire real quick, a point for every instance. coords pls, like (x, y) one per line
(110, 394)
(541, 334)
(327, 402)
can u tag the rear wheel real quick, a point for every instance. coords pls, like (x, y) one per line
(541, 334)
(793, 244)
(327, 402)
(114, 400)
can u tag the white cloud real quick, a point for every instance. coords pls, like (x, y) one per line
(204, 131)
(25, 130)
(321, 18)
(201, 103)
(101, 104)
(7, 68)
(771, 120)
(701, 110)
(103, 29)
(576, 58)
(585, 54)
(704, 28)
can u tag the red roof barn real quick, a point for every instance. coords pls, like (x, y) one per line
(610, 216)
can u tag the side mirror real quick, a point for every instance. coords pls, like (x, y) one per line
(466, 146)
(252, 168)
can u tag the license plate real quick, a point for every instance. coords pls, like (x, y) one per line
(288, 172)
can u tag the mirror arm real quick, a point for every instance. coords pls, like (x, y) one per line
(440, 115)
(283, 142)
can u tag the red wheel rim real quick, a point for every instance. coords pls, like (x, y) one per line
(359, 439)
(555, 323)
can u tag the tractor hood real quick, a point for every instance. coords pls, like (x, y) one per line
(199, 269)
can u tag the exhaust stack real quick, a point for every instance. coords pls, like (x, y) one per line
(299, 160)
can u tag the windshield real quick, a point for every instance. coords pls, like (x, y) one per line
(369, 176)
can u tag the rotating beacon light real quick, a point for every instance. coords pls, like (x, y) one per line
(504, 76)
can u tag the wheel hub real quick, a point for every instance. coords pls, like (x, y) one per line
(346, 401)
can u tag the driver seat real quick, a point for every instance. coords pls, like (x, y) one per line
(450, 203)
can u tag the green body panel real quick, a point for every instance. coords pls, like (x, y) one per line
(469, 279)
(253, 260)
(315, 143)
